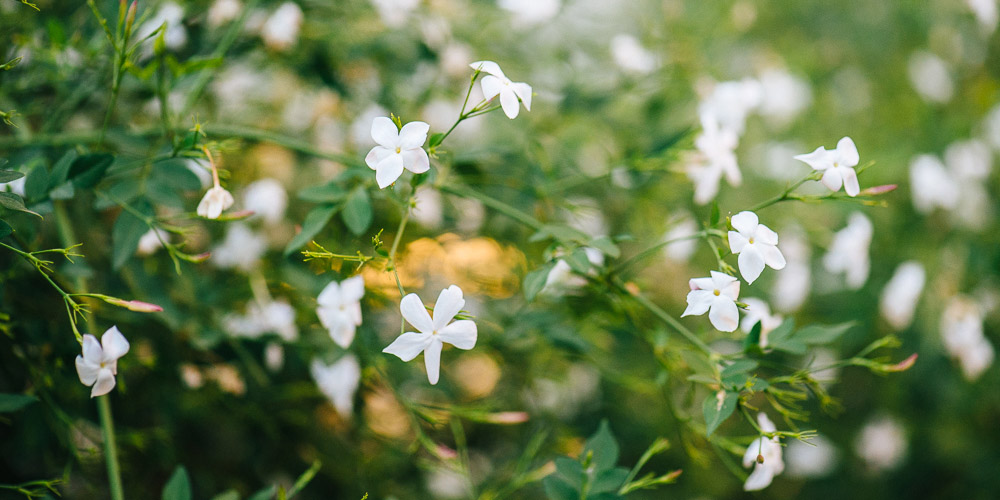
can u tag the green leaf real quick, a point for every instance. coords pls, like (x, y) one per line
(175, 173)
(87, 170)
(561, 233)
(316, 220)
(604, 448)
(578, 261)
(227, 495)
(14, 202)
(780, 338)
(264, 494)
(739, 366)
(557, 489)
(60, 171)
(714, 215)
(178, 487)
(328, 193)
(716, 413)
(10, 175)
(534, 281)
(435, 140)
(126, 233)
(36, 186)
(357, 212)
(822, 334)
(752, 341)
(13, 402)
(609, 480)
(5, 229)
(607, 247)
(571, 471)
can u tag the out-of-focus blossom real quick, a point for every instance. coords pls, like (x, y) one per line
(969, 160)
(564, 398)
(339, 309)
(986, 14)
(266, 198)
(811, 460)
(397, 149)
(900, 295)
(274, 356)
(338, 382)
(792, 284)
(716, 156)
(930, 77)
(991, 127)
(97, 366)
(758, 311)
(681, 251)
(717, 296)
(586, 215)
(446, 483)
(837, 166)
(151, 241)
(271, 316)
(496, 83)
(764, 455)
(241, 248)
(848, 253)
(471, 214)
(428, 209)
(962, 334)
(395, 13)
(629, 54)
(931, 185)
(756, 245)
(223, 11)
(562, 280)
(882, 444)
(783, 96)
(957, 185)
(531, 12)
(281, 31)
(730, 103)
(214, 202)
(433, 333)
(172, 14)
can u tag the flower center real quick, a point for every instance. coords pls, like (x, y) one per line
(717, 293)
(751, 241)
(102, 364)
(397, 150)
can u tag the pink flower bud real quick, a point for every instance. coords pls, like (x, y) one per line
(507, 417)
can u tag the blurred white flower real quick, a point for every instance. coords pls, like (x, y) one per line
(764, 454)
(783, 96)
(266, 198)
(455, 58)
(496, 83)
(338, 382)
(837, 166)
(629, 54)
(900, 295)
(792, 285)
(717, 296)
(339, 309)
(98, 364)
(271, 316)
(962, 333)
(172, 14)
(681, 251)
(223, 11)
(214, 202)
(756, 245)
(731, 102)
(446, 483)
(848, 253)
(930, 77)
(281, 31)
(562, 280)
(395, 13)
(586, 215)
(931, 185)
(969, 160)
(470, 213)
(986, 14)
(882, 444)
(716, 156)
(957, 187)
(397, 149)
(991, 127)
(241, 248)
(428, 209)
(531, 12)
(814, 459)
(758, 311)
(433, 333)
(274, 356)
(150, 241)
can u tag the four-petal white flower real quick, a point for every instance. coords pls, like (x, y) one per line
(756, 244)
(98, 364)
(764, 454)
(338, 382)
(433, 333)
(397, 149)
(340, 309)
(716, 295)
(837, 165)
(496, 83)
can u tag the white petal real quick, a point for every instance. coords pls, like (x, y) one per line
(745, 222)
(384, 132)
(491, 87)
(750, 456)
(523, 90)
(508, 101)
(343, 332)
(414, 312)
(724, 314)
(413, 135)
(850, 181)
(736, 242)
(114, 344)
(105, 382)
(86, 371)
(388, 170)
(408, 345)
(832, 179)
(847, 152)
(773, 257)
(330, 296)
(432, 361)
(461, 334)
(416, 160)
(377, 154)
(488, 67)
(352, 289)
(721, 280)
(751, 263)
(732, 290)
(354, 311)
(766, 236)
(93, 353)
(449, 302)
(701, 284)
(765, 424)
(819, 159)
(760, 478)
(698, 302)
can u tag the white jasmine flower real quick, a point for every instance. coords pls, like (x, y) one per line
(814, 459)
(837, 165)
(338, 382)
(931, 185)
(930, 77)
(339, 309)
(496, 83)
(395, 13)
(281, 30)
(731, 102)
(214, 202)
(276, 316)
(274, 356)
(758, 312)
(962, 333)
(629, 54)
(716, 157)
(717, 296)
(882, 444)
(98, 364)
(784, 96)
(531, 12)
(397, 149)
(900, 295)
(241, 248)
(969, 160)
(986, 13)
(848, 253)
(562, 280)
(792, 284)
(150, 241)
(433, 333)
(266, 198)
(756, 244)
(764, 454)
(446, 483)
(223, 11)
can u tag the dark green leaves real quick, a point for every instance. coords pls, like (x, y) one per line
(717, 410)
(10, 175)
(13, 402)
(126, 233)
(5, 229)
(786, 338)
(179, 486)
(316, 219)
(603, 447)
(357, 214)
(534, 281)
(11, 201)
(87, 170)
(593, 476)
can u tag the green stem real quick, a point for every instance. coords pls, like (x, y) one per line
(785, 195)
(110, 448)
(666, 318)
(495, 204)
(653, 249)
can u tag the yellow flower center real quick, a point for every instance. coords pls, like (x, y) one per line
(751, 241)
(397, 150)
(717, 293)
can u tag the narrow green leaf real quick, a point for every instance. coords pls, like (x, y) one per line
(179, 486)
(607, 247)
(714, 215)
(10, 175)
(557, 489)
(87, 170)
(127, 232)
(609, 480)
(717, 411)
(571, 471)
(36, 186)
(327, 193)
(13, 402)
(357, 214)
(604, 448)
(60, 171)
(264, 494)
(534, 281)
(316, 220)
(5, 229)
(822, 334)
(435, 139)
(578, 261)
(739, 366)
(14, 202)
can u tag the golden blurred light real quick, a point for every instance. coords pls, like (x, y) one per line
(385, 415)
(477, 375)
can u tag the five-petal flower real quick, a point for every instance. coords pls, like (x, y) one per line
(837, 165)
(716, 295)
(496, 83)
(397, 149)
(433, 333)
(98, 364)
(756, 245)
(340, 309)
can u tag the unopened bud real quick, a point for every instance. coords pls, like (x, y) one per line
(446, 453)
(903, 365)
(231, 216)
(877, 190)
(760, 458)
(134, 305)
(196, 259)
(507, 417)
(130, 17)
